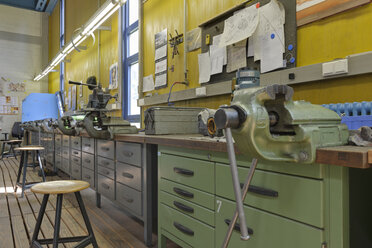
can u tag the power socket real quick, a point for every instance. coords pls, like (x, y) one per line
(201, 91)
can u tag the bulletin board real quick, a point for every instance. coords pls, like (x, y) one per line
(215, 27)
(9, 105)
(312, 10)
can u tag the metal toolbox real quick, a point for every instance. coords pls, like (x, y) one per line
(171, 120)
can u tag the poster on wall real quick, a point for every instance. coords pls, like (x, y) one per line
(113, 76)
(312, 10)
(9, 105)
(161, 61)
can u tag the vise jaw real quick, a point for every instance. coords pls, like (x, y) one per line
(267, 124)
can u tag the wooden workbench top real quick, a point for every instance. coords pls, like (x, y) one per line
(348, 156)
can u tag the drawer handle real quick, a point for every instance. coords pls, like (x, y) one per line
(88, 145)
(76, 153)
(261, 191)
(105, 172)
(127, 154)
(127, 175)
(183, 207)
(105, 186)
(183, 171)
(105, 149)
(76, 171)
(129, 200)
(76, 160)
(76, 143)
(87, 160)
(183, 192)
(87, 176)
(183, 229)
(237, 227)
(105, 163)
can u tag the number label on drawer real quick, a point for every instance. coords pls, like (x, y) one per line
(219, 204)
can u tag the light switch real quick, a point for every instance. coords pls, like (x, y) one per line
(201, 91)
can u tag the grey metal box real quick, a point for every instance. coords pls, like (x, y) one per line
(130, 198)
(87, 160)
(106, 187)
(87, 145)
(129, 175)
(76, 143)
(129, 153)
(106, 148)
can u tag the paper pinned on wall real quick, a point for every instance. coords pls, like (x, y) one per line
(193, 39)
(160, 52)
(272, 58)
(240, 26)
(215, 46)
(160, 66)
(272, 19)
(148, 83)
(236, 56)
(218, 56)
(250, 50)
(204, 67)
(161, 80)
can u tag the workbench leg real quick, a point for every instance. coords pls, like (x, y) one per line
(162, 241)
(98, 200)
(147, 194)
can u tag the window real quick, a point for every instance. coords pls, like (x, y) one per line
(131, 111)
(62, 43)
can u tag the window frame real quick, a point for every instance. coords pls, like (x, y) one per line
(127, 61)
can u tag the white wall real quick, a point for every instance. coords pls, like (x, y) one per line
(23, 53)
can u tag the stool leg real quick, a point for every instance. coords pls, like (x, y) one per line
(39, 219)
(41, 165)
(33, 159)
(24, 173)
(86, 219)
(2, 150)
(57, 221)
(19, 171)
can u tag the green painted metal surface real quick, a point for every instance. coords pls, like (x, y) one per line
(179, 169)
(298, 198)
(269, 230)
(193, 210)
(193, 195)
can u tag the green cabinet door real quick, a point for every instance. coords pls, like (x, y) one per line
(269, 230)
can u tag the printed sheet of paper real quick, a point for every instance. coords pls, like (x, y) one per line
(215, 46)
(218, 56)
(272, 19)
(250, 50)
(236, 56)
(161, 52)
(161, 80)
(160, 66)
(204, 67)
(240, 26)
(193, 39)
(148, 83)
(272, 55)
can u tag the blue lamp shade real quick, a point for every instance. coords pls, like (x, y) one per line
(39, 106)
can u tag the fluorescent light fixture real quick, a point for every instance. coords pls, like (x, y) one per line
(102, 14)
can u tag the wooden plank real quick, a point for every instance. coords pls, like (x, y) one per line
(64, 231)
(20, 233)
(6, 238)
(370, 157)
(3, 201)
(348, 156)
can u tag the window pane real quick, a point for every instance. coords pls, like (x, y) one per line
(133, 11)
(134, 109)
(133, 43)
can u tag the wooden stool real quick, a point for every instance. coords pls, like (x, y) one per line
(24, 164)
(59, 188)
(11, 152)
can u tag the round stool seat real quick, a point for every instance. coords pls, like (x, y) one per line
(60, 187)
(29, 148)
(12, 141)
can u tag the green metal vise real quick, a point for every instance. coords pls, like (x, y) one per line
(266, 123)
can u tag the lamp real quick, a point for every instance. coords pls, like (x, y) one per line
(102, 14)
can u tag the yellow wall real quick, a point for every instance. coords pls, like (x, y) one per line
(334, 37)
(54, 47)
(86, 63)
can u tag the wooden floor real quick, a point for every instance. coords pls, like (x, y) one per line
(18, 215)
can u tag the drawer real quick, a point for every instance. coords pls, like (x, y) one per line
(58, 152)
(130, 198)
(76, 153)
(106, 187)
(76, 160)
(65, 166)
(58, 147)
(88, 175)
(294, 197)
(129, 175)
(104, 162)
(129, 153)
(87, 145)
(58, 161)
(76, 143)
(187, 193)
(200, 213)
(76, 171)
(58, 140)
(269, 230)
(192, 172)
(87, 160)
(186, 228)
(106, 172)
(66, 152)
(49, 158)
(66, 141)
(106, 148)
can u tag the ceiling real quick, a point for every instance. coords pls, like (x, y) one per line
(38, 5)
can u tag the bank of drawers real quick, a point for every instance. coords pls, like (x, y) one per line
(186, 199)
(75, 158)
(106, 168)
